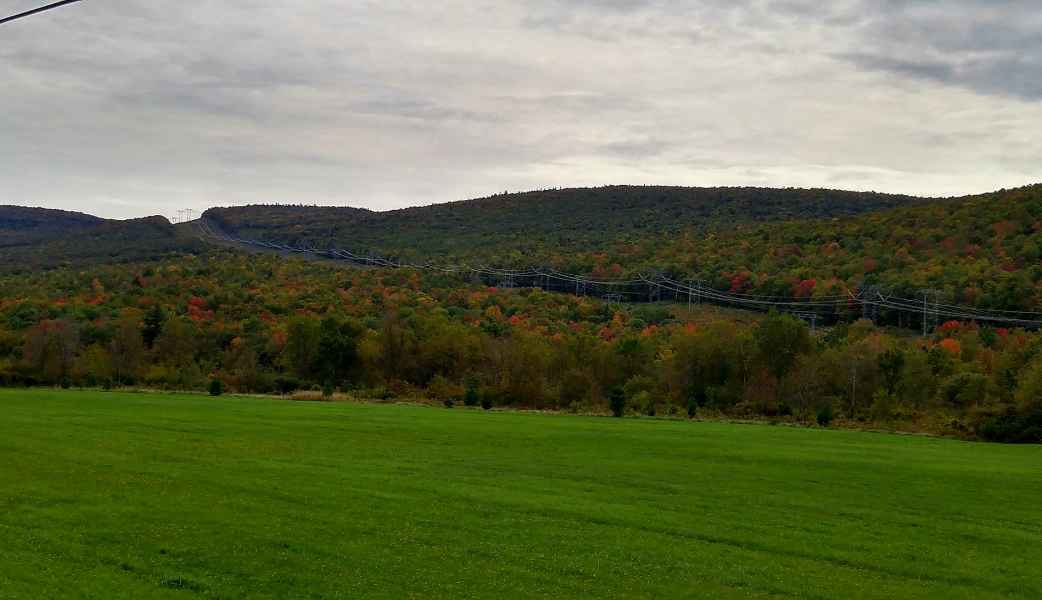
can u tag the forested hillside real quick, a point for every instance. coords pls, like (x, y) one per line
(35, 239)
(263, 323)
(544, 227)
(980, 251)
(146, 303)
(24, 225)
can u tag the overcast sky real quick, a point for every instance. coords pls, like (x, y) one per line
(127, 108)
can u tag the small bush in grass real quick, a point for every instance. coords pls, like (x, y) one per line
(216, 388)
(488, 397)
(882, 405)
(327, 390)
(444, 389)
(692, 406)
(1013, 428)
(470, 398)
(286, 385)
(377, 393)
(645, 399)
(825, 415)
(618, 402)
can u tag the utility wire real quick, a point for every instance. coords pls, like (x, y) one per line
(37, 10)
(647, 286)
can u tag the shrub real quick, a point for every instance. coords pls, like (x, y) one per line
(716, 398)
(574, 389)
(449, 402)
(441, 388)
(637, 389)
(692, 406)
(1013, 428)
(882, 405)
(378, 393)
(825, 415)
(1029, 388)
(286, 385)
(216, 388)
(489, 397)
(966, 389)
(618, 402)
(648, 402)
(327, 390)
(470, 398)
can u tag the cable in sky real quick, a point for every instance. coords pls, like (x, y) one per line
(37, 10)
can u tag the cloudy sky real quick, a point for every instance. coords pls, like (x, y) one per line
(134, 107)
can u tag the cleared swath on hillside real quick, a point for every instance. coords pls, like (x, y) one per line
(533, 226)
(981, 251)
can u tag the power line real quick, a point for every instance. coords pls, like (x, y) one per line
(650, 287)
(37, 10)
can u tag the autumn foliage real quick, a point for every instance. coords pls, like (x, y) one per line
(265, 324)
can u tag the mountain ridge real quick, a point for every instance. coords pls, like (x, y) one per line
(983, 250)
(83, 240)
(570, 219)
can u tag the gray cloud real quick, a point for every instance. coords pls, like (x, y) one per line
(986, 46)
(138, 107)
(1013, 75)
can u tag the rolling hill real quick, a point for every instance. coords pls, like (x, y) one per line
(539, 227)
(20, 225)
(982, 250)
(260, 323)
(33, 239)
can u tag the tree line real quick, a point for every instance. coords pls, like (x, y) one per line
(259, 324)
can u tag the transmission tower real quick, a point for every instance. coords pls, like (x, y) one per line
(869, 306)
(930, 314)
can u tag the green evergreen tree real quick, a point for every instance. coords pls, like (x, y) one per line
(618, 402)
(153, 325)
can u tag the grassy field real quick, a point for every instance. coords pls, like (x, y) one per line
(140, 495)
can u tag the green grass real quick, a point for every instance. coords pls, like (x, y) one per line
(148, 495)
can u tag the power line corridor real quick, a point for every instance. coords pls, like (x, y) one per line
(868, 301)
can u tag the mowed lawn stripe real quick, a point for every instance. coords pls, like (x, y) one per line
(113, 495)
